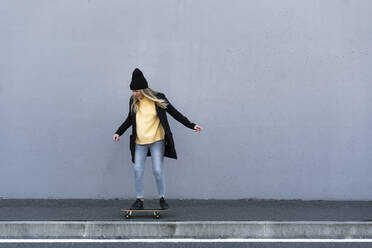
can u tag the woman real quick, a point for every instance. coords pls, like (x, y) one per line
(151, 134)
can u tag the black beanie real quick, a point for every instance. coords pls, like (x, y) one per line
(138, 80)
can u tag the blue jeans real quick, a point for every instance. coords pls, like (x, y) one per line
(157, 157)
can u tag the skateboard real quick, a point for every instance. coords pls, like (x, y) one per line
(156, 212)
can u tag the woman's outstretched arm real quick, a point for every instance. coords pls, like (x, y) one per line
(177, 115)
(126, 124)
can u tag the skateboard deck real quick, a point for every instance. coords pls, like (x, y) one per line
(155, 211)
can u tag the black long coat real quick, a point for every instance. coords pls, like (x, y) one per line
(170, 150)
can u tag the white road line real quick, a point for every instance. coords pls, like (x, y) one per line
(183, 240)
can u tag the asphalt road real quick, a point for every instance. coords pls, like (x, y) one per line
(186, 210)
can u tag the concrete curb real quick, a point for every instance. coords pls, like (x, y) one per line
(186, 229)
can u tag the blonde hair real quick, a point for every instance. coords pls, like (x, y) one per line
(150, 94)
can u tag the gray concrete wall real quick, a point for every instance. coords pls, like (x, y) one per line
(282, 89)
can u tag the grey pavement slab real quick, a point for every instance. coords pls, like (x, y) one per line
(186, 210)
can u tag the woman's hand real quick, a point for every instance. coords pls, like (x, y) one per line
(116, 137)
(198, 128)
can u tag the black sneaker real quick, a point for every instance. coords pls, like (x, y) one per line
(138, 204)
(163, 203)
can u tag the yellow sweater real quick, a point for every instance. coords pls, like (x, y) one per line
(148, 126)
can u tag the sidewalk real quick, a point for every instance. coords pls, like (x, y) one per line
(90, 218)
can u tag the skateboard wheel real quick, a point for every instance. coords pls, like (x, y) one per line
(127, 216)
(157, 216)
